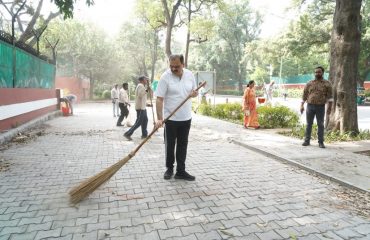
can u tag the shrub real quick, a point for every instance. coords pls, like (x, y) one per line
(367, 93)
(276, 117)
(229, 111)
(106, 94)
(98, 92)
(205, 109)
(329, 136)
(295, 92)
(269, 117)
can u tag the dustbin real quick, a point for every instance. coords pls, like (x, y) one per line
(65, 111)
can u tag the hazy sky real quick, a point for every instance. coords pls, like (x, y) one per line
(110, 14)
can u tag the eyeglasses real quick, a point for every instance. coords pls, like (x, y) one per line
(175, 67)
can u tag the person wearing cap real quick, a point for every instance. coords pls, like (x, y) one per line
(175, 85)
(140, 107)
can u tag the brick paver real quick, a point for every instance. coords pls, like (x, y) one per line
(238, 194)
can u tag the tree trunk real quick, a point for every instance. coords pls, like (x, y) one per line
(170, 21)
(27, 34)
(154, 54)
(188, 35)
(91, 86)
(344, 55)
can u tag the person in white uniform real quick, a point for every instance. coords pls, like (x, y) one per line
(123, 103)
(175, 85)
(114, 96)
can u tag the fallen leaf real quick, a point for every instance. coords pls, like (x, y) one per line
(226, 233)
(263, 224)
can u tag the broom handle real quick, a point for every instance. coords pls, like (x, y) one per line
(165, 120)
(151, 101)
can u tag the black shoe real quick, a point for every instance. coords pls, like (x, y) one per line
(321, 145)
(305, 143)
(143, 137)
(184, 175)
(119, 125)
(128, 137)
(168, 174)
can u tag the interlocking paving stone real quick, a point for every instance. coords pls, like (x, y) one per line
(268, 235)
(212, 235)
(11, 230)
(187, 230)
(74, 229)
(155, 226)
(39, 227)
(49, 234)
(174, 232)
(28, 236)
(347, 233)
(363, 229)
(237, 191)
(9, 223)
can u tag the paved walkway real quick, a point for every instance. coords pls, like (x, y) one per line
(238, 193)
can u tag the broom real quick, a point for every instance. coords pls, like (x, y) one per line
(89, 185)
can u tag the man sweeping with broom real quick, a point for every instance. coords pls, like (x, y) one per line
(169, 95)
(175, 85)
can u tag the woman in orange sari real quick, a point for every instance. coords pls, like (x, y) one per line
(250, 107)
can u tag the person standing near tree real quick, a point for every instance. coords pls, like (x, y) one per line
(175, 85)
(123, 103)
(140, 106)
(317, 93)
(114, 96)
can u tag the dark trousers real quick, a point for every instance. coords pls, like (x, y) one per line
(311, 112)
(176, 134)
(124, 112)
(141, 120)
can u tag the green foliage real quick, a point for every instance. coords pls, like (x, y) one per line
(98, 92)
(276, 117)
(236, 24)
(295, 92)
(106, 94)
(269, 117)
(332, 136)
(83, 50)
(367, 93)
(66, 7)
(228, 111)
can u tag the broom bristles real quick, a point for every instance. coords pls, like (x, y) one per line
(89, 185)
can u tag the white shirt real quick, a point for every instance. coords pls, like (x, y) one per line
(114, 93)
(174, 90)
(123, 97)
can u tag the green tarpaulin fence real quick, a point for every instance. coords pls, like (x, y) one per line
(299, 79)
(30, 71)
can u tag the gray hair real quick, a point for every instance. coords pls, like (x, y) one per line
(177, 56)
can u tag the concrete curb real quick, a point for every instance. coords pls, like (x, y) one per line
(299, 165)
(8, 135)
